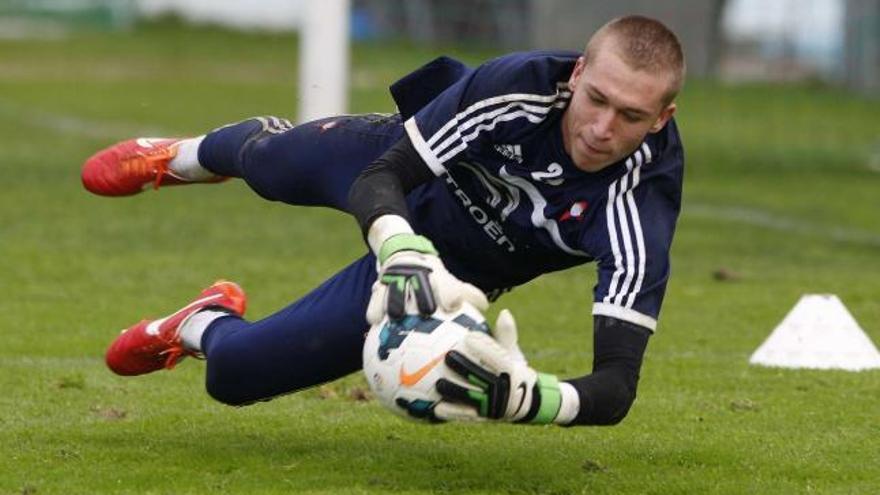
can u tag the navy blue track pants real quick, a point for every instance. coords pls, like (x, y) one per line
(319, 337)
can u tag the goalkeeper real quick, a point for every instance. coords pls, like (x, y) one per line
(486, 178)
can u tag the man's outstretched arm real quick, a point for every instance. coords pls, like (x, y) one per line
(607, 394)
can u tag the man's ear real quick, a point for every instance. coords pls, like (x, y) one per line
(664, 117)
(577, 72)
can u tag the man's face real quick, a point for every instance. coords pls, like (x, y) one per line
(613, 107)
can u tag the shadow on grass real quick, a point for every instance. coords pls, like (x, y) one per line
(339, 457)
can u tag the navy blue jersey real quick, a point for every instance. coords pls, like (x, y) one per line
(510, 205)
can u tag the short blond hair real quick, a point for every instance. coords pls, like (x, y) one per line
(644, 44)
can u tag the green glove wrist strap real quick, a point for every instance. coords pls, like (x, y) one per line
(551, 399)
(405, 242)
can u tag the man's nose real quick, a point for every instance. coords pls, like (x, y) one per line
(603, 125)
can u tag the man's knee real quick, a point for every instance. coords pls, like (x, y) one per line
(226, 380)
(257, 153)
(263, 128)
(224, 390)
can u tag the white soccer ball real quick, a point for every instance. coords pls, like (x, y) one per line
(403, 359)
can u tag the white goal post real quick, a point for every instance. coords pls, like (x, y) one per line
(324, 59)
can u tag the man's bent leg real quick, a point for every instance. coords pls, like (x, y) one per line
(312, 164)
(314, 340)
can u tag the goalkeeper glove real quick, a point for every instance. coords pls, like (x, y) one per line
(409, 269)
(500, 384)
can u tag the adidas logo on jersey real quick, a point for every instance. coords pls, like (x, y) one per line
(510, 151)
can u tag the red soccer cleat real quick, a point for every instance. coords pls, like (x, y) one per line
(152, 345)
(126, 168)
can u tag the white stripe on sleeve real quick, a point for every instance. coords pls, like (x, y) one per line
(449, 140)
(622, 216)
(625, 314)
(488, 102)
(637, 224)
(488, 127)
(627, 235)
(412, 130)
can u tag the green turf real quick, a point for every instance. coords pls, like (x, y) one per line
(781, 191)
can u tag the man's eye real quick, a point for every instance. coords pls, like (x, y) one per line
(596, 99)
(631, 118)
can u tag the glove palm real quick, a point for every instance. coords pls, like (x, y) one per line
(500, 383)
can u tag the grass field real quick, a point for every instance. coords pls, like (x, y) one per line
(782, 190)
